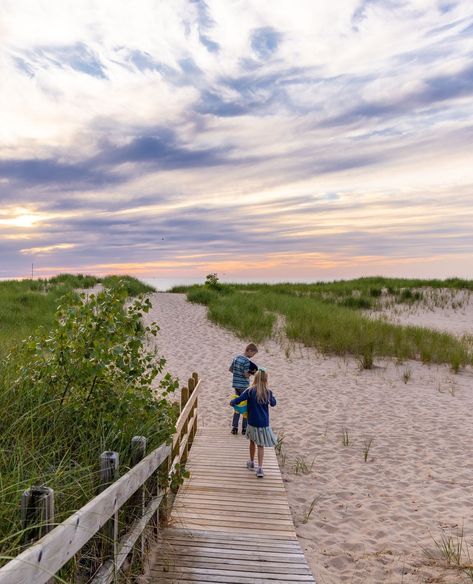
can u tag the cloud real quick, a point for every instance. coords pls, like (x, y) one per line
(210, 129)
(265, 41)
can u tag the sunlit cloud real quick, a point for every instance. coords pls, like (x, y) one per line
(46, 249)
(279, 138)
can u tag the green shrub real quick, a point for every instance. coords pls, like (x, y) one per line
(72, 391)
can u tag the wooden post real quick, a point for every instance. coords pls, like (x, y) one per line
(191, 383)
(37, 514)
(184, 396)
(108, 474)
(164, 508)
(194, 430)
(185, 393)
(138, 500)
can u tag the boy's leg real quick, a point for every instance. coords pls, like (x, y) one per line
(235, 419)
(244, 424)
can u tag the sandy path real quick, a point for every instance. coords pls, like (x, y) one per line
(371, 520)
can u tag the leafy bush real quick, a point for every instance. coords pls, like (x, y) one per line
(211, 281)
(69, 393)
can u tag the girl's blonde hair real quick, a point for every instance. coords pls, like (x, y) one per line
(260, 383)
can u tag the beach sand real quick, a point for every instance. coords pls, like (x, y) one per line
(358, 522)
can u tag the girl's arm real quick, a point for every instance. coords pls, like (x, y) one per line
(240, 398)
(272, 399)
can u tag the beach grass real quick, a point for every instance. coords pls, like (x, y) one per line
(330, 318)
(67, 389)
(28, 304)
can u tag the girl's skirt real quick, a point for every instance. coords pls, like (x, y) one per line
(261, 436)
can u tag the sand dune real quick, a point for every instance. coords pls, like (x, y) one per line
(371, 522)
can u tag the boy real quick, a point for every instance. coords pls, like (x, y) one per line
(242, 368)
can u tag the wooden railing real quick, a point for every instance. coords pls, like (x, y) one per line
(142, 485)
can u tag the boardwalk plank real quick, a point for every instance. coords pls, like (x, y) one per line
(215, 536)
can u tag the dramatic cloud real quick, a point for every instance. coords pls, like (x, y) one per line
(255, 139)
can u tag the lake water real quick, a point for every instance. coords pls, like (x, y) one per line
(164, 284)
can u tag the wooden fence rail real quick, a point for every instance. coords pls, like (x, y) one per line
(43, 559)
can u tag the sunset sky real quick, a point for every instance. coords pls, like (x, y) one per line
(293, 138)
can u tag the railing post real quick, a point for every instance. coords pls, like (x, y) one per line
(108, 474)
(37, 514)
(185, 393)
(194, 430)
(138, 500)
(164, 508)
(191, 383)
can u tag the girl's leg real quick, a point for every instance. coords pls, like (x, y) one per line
(252, 451)
(250, 465)
(260, 456)
(259, 470)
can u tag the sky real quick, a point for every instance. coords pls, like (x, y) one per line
(287, 139)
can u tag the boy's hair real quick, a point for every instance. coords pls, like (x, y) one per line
(251, 347)
(260, 383)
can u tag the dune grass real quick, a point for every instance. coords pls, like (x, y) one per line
(79, 385)
(328, 316)
(28, 304)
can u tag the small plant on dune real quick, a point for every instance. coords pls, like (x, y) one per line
(212, 282)
(366, 448)
(453, 549)
(406, 374)
(282, 458)
(310, 508)
(280, 442)
(300, 466)
(345, 437)
(366, 357)
(455, 362)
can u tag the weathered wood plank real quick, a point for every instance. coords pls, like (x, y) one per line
(213, 537)
(45, 558)
(42, 560)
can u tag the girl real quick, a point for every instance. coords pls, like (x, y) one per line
(259, 432)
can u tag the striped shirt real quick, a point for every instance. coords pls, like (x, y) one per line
(240, 365)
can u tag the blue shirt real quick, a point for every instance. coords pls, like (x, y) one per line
(258, 414)
(240, 365)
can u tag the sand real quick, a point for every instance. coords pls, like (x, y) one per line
(358, 522)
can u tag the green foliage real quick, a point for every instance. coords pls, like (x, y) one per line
(357, 303)
(75, 280)
(201, 295)
(132, 286)
(27, 304)
(212, 282)
(72, 391)
(315, 315)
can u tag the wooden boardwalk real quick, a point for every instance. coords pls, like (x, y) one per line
(226, 525)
